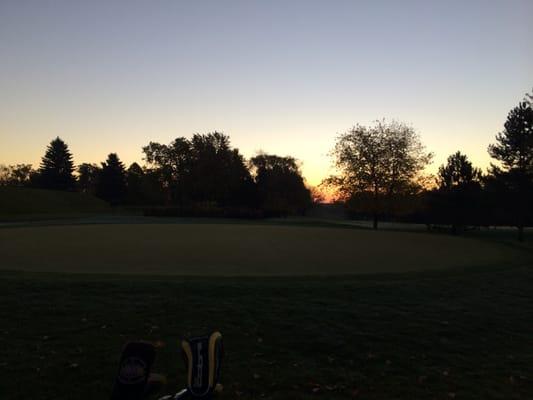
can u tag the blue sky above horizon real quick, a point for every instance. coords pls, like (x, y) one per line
(280, 76)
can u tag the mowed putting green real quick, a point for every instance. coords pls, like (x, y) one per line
(237, 250)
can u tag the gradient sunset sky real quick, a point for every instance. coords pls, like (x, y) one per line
(280, 76)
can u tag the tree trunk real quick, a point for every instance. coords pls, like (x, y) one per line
(376, 207)
(521, 233)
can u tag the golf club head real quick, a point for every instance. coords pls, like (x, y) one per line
(134, 371)
(203, 359)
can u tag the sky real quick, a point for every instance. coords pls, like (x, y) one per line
(285, 77)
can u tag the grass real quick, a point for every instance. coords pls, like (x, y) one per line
(346, 313)
(28, 204)
(429, 335)
(240, 249)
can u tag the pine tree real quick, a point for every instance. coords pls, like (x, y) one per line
(112, 182)
(56, 169)
(458, 171)
(514, 150)
(514, 147)
(457, 201)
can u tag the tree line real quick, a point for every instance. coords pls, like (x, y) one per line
(380, 176)
(203, 175)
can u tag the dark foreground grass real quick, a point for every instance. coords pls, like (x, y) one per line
(464, 334)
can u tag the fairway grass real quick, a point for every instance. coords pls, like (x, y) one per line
(240, 250)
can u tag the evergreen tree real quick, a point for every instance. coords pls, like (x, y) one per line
(457, 201)
(514, 145)
(514, 151)
(112, 180)
(457, 172)
(56, 169)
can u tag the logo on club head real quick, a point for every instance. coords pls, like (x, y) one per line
(200, 367)
(132, 371)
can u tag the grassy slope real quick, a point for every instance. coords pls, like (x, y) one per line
(17, 203)
(431, 335)
(240, 249)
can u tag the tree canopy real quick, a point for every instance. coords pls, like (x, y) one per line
(280, 184)
(16, 175)
(88, 175)
(203, 169)
(384, 159)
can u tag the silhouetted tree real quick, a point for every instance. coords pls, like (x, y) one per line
(204, 169)
(514, 150)
(152, 190)
(458, 198)
(172, 166)
(88, 175)
(56, 169)
(280, 184)
(218, 173)
(457, 172)
(112, 180)
(4, 174)
(383, 161)
(137, 188)
(16, 175)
